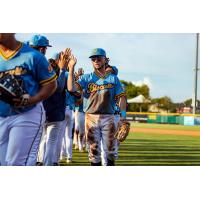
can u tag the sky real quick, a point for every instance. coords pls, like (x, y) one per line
(165, 62)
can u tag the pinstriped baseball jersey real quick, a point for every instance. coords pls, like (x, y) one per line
(31, 67)
(100, 93)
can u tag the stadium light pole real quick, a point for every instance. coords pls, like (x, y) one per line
(194, 99)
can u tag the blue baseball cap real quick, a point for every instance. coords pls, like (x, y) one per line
(55, 56)
(98, 52)
(39, 41)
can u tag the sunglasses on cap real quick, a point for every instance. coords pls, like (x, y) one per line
(96, 58)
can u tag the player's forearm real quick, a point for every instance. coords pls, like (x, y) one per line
(71, 82)
(122, 106)
(45, 92)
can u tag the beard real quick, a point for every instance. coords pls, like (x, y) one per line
(99, 67)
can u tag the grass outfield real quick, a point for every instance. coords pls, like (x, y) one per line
(153, 149)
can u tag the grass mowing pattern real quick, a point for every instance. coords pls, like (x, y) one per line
(155, 150)
(141, 149)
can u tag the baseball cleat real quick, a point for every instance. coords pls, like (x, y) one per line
(76, 147)
(69, 160)
(39, 164)
(81, 150)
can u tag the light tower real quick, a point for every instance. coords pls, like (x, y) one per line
(194, 98)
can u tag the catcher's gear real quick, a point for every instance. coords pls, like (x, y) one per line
(122, 130)
(11, 91)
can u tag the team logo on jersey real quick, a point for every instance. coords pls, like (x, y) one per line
(17, 71)
(92, 87)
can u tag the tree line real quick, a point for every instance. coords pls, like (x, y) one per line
(164, 102)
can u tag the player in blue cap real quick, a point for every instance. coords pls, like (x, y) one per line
(79, 115)
(40, 43)
(100, 91)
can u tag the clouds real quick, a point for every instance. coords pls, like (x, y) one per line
(145, 81)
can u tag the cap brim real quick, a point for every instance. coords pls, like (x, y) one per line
(97, 56)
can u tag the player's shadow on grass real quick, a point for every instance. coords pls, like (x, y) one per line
(159, 152)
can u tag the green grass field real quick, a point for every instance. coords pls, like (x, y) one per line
(144, 149)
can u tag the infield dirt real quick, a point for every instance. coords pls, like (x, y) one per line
(164, 131)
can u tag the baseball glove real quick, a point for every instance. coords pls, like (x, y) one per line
(11, 90)
(122, 130)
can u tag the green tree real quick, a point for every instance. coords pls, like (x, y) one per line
(133, 91)
(165, 103)
(188, 102)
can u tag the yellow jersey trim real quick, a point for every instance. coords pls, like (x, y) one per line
(46, 81)
(102, 77)
(120, 95)
(13, 54)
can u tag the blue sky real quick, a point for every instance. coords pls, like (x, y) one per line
(163, 61)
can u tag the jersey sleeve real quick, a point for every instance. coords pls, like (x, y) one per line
(44, 71)
(119, 92)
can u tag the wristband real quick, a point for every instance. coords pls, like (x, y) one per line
(123, 114)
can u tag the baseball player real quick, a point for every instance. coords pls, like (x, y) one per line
(100, 89)
(55, 111)
(79, 115)
(39, 43)
(65, 143)
(21, 123)
(66, 140)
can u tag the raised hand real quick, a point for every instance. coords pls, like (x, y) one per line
(72, 62)
(68, 53)
(63, 60)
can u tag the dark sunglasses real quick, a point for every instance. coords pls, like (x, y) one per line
(98, 58)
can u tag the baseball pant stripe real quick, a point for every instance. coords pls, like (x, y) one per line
(39, 129)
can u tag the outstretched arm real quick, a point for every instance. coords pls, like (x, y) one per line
(71, 86)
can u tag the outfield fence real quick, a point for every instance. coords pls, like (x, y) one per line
(164, 118)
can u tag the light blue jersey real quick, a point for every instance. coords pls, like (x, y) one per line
(100, 93)
(31, 67)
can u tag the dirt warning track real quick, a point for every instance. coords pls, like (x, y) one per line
(165, 131)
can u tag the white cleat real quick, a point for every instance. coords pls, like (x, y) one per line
(69, 160)
(76, 147)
